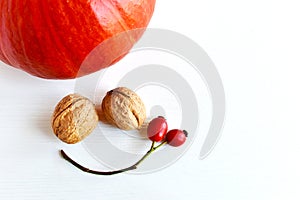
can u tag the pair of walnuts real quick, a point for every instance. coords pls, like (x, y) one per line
(75, 116)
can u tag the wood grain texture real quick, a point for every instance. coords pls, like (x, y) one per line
(255, 45)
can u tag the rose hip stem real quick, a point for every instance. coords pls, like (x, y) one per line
(134, 166)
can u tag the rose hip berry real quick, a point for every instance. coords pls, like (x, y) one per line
(157, 132)
(176, 137)
(157, 129)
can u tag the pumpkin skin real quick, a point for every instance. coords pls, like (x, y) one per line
(52, 38)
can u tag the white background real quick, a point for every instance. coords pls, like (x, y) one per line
(255, 46)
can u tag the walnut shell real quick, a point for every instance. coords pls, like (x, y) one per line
(123, 108)
(74, 118)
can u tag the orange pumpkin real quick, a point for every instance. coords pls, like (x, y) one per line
(51, 39)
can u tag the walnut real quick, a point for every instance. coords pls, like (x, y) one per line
(74, 118)
(123, 108)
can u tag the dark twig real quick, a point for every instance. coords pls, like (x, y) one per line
(152, 148)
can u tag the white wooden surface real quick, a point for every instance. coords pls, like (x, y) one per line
(254, 44)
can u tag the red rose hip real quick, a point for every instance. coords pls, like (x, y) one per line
(157, 129)
(176, 137)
